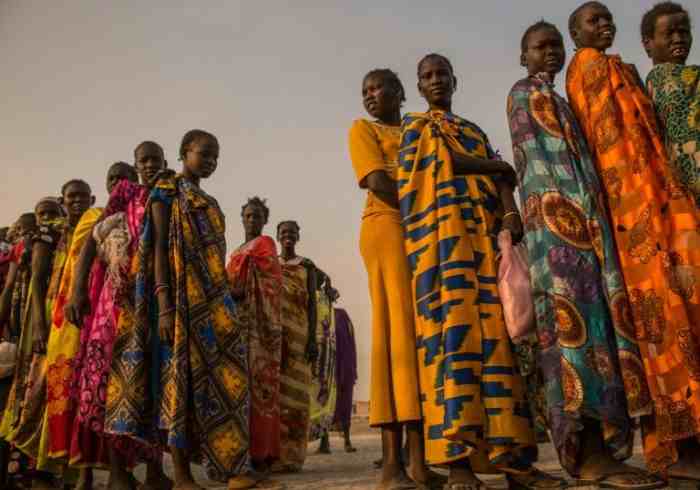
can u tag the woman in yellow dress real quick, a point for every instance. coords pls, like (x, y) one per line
(394, 401)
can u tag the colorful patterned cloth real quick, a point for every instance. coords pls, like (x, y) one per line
(24, 417)
(474, 402)
(675, 90)
(345, 368)
(298, 286)
(656, 231)
(323, 385)
(116, 236)
(254, 266)
(63, 346)
(579, 293)
(199, 382)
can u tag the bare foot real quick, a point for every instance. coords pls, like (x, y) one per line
(121, 480)
(84, 480)
(349, 448)
(685, 469)
(463, 477)
(394, 478)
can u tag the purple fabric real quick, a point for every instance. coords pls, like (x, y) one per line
(345, 367)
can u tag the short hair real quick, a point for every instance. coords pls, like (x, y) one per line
(24, 217)
(435, 56)
(192, 136)
(288, 222)
(74, 182)
(148, 143)
(573, 18)
(131, 170)
(390, 78)
(540, 25)
(648, 25)
(261, 203)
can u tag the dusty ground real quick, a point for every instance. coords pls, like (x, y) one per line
(341, 470)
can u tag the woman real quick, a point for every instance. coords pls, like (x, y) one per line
(256, 280)
(675, 89)
(579, 293)
(656, 228)
(454, 197)
(394, 398)
(298, 320)
(345, 374)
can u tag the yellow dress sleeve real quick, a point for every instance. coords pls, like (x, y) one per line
(365, 151)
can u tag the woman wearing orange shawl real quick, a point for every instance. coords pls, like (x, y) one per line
(656, 230)
(255, 276)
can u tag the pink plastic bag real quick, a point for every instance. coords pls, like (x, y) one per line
(514, 287)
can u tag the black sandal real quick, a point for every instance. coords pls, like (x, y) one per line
(534, 480)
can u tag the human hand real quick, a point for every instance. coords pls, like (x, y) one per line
(40, 340)
(166, 325)
(77, 308)
(513, 223)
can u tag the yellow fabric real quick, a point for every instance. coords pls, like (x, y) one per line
(63, 345)
(373, 147)
(394, 365)
(474, 400)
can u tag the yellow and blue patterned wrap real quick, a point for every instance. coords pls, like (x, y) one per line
(473, 399)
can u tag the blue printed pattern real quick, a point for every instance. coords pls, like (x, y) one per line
(473, 399)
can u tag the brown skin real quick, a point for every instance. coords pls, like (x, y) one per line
(253, 219)
(77, 198)
(288, 237)
(437, 84)
(672, 39)
(594, 28)
(384, 104)
(545, 53)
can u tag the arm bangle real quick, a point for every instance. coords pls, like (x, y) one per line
(511, 213)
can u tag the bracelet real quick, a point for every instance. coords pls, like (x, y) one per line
(511, 213)
(166, 312)
(160, 287)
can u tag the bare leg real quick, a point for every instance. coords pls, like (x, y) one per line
(688, 465)
(183, 474)
(119, 478)
(84, 479)
(325, 446)
(156, 479)
(348, 443)
(393, 474)
(597, 462)
(417, 469)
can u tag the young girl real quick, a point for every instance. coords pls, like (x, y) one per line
(201, 378)
(454, 196)
(256, 281)
(656, 228)
(98, 303)
(675, 89)
(298, 319)
(394, 397)
(577, 284)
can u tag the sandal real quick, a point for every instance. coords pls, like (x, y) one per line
(435, 481)
(465, 486)
(534, 480)
(637, 480)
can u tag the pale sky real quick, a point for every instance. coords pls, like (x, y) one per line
(84, 81)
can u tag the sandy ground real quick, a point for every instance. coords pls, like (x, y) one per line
(341, 470)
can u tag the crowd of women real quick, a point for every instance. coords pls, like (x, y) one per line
(126, 334)
(608, 184)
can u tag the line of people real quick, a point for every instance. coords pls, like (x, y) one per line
(127, 334)
(608, 186)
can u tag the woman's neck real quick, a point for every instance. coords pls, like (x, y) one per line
(249, 237)
(447, 107)
(190, 177)
(289, 253)
(392, 120)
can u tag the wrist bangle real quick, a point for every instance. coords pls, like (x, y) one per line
(511, 213)
(166, 312)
